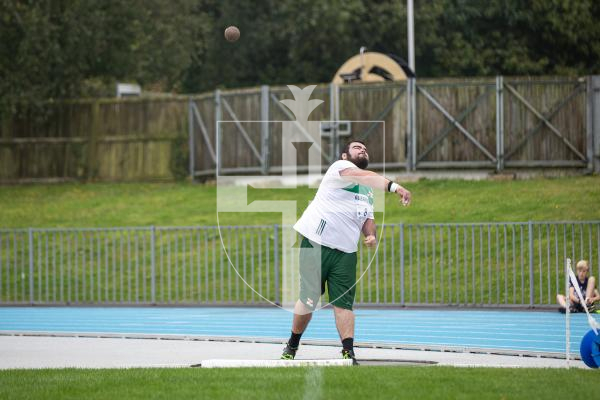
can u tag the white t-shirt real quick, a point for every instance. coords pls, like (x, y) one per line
(336, 215)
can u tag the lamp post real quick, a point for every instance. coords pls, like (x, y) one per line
(411, 35)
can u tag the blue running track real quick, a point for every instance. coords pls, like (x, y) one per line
(505, 332)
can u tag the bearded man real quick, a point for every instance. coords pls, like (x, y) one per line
(331, 226)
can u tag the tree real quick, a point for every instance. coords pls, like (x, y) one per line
(71, 48)
(56, 49)
(476, 37)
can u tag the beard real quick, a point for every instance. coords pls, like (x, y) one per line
(360, 162)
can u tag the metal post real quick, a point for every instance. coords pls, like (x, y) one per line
(334, 112)
(411, 34)
(402, 264)
(531, 289)
(593, 123)
(336, 91)
(276, 262)
(92, 142)
(264, 121)
(1, 264)
(596, 124)
(30, 267)
(153, 264)
(218, 116)
(499, 124)
(413, 118)
(411, 103)
(589, 123)
(567, 313)
(409, 160)
(191, 139)
(332, 134)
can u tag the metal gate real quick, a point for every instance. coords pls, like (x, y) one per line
(490, 124)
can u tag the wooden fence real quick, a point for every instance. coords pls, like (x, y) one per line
(486, 123)
(489, 123)
(103, 140)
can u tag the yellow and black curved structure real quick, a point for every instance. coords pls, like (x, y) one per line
(371, 66)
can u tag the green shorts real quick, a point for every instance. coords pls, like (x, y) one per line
(337, 270)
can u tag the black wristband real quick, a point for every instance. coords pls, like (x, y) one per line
(389, 185)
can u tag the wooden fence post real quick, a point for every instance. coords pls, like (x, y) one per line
(192, 141)
(593, 123)
(218, 117)
(499, 124)
(264, 130)
(411, 105)
(92, 159)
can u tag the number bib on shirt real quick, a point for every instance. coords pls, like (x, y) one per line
(361, 203)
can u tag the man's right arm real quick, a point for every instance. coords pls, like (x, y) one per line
(374, 180)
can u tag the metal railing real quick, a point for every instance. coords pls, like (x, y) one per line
(482, 264)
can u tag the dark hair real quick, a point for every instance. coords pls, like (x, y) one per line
(346, 148)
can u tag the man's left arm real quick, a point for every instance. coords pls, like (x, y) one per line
(369, 230)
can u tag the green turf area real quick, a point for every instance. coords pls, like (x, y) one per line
(298, 383)
(184, 204)
(110, 205)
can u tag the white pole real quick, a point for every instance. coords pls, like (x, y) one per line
(411, 35)
(567, 314)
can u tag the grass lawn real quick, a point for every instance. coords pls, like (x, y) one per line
(184, 204)
(108, 205)
(300, 383)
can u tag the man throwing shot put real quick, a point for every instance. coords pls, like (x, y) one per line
(331, 227)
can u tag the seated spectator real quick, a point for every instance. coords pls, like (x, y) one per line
(587, 285)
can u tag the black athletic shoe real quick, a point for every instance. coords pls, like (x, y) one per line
(289, 352)
(349, 355)
(562, 310)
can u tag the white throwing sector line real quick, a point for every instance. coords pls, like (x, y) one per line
(274, 363)
(313, 384)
